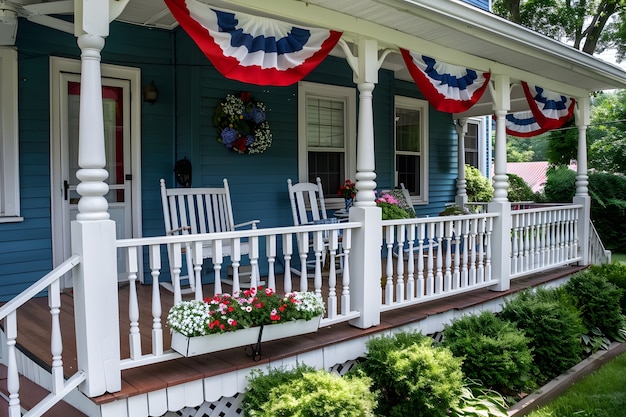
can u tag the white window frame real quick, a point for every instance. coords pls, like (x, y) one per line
(348, 96)
(481, 139)
(421, 106)
(9, 139)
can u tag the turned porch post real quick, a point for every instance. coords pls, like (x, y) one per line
(501, 237)
(365, 263)
(93, 233)
(461, 191)
(582, 180)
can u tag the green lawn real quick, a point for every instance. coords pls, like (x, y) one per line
(619, 257)
(601, 394)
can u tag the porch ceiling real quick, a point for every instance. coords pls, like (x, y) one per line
(450, 30)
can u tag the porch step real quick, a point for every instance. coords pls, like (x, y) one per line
(30, 395)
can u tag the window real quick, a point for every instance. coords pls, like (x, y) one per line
(326, 134)
(475, 144)
(411, 145)
(9, 157)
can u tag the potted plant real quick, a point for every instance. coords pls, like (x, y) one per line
(225, 321)
(392, 209)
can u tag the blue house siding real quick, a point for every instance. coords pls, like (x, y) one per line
(483, 4)
(26, 247)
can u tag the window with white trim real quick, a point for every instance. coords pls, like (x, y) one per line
(9, 156)
(326, 134)
(475, 144)
(411, 147)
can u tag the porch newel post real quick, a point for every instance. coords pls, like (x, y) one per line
(582, 180)
(461, 191)
(365, 266)
(501, 240)
(93, 237)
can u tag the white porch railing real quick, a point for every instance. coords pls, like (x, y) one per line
(58, 386)
(331, 247)
(430, 258)
(598, 254)
(543, 238)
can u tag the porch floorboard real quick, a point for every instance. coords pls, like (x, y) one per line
(34, 335)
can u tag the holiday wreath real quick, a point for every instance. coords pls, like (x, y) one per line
(241, 124)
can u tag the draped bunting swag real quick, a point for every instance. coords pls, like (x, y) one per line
(448, 88)
(548, 110)
(523, 124)
(253, 49)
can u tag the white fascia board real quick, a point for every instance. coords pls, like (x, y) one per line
(490, 27)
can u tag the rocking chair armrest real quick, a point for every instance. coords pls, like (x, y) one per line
(251, 222)
(177, 230)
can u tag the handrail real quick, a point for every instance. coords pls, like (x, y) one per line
(39, 286)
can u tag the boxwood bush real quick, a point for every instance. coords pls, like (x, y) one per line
(598, 301)
(304, 391)
(494, 351)
(615, 273)
(554, 327)
(414, 377)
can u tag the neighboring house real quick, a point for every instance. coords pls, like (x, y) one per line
(73, 119)
(533, 173)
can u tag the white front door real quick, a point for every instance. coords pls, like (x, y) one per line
(116, 105)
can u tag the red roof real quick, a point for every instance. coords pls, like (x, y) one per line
(534, 173)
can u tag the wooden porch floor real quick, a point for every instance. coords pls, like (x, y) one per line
(34, 339)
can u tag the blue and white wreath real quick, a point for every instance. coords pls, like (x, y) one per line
(241, 124)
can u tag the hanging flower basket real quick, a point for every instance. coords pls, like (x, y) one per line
(290, 328)
(199, 345)
(241, 124)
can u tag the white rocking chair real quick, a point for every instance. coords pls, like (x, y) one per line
(202, 210)
(308, 207)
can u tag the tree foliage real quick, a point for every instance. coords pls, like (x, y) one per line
(607, 135)
(591, 26)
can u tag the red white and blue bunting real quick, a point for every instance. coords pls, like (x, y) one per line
(448, 88)
(253, 49)
(523, 124)
(550, 109)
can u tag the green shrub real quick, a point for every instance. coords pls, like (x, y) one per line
(260, 384)
(615, 273)
(414, 377)
(306, 392)
(478, 187)
(608, 209)
(554, 327)
(560, 185)
(518, 189)
(495, 351)
(598, 301)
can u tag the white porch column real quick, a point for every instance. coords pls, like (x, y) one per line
(365, 263)
(582, 180)
(501, 238)
(461, 191)
(93, 237)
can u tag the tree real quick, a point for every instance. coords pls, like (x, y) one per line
(591, 26)
(607, 135)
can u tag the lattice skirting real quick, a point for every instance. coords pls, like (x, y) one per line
(231, 406)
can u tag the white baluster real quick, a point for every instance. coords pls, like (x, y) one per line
(318, 248)
(157, 330)
(472, 250)
(197, 270)
(218, 254)
(13, 377)
(410, 271)
(287, 252)
(333, 246)
(56, 342)
(400, 264)
(389, 238)
(235, 258)
(270, 252)
(420, 259)
(253, 244)
(439, 257)
(447, 239)
(346, 245)
(176, 260)
(134, 338)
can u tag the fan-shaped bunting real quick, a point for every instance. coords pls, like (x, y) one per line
(253, 49)
(448, 88)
